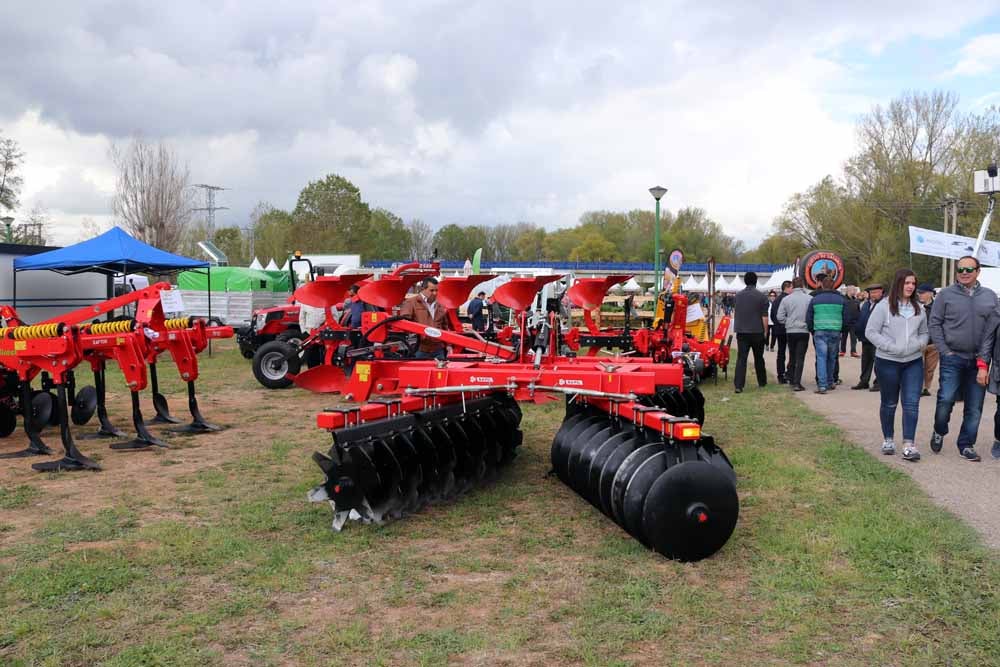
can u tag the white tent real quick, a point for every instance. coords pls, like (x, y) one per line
(778, 277)
(700, 285)
(255, 264)
(736, 285)
(284, 266)
(689, 284)
(271, 266)
(632, 286)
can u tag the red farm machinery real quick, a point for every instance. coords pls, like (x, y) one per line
(52, 350)
(418, 431)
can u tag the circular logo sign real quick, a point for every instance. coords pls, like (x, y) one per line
(822, 263)
(431, 332)
(676, 259)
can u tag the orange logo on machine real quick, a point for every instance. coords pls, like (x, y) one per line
(374, 316)
(362, 370)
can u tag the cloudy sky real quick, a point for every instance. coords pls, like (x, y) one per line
(474, 112)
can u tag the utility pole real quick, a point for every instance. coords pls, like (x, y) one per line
(945, 260)
(210, 208)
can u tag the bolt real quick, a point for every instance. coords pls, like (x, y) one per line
(185, 375)
(379, 386)
(349, 397)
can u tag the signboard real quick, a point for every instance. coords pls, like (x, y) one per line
(952, 246)
(171, 301)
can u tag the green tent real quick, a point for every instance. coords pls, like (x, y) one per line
(235, 279)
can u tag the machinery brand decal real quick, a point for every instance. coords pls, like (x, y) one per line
(20, 345)
(120, 341)
(374, 317)
(363, 371)
(571, 383)
(431, 332)
(482, 379)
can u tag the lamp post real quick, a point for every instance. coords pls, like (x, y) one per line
(657, 193)
(8, 221)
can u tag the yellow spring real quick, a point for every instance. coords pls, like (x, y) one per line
(177, 323)
(34, 331)
(105, 328)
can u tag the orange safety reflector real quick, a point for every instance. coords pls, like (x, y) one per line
(686, 431)
(702, 517)
(336, 489)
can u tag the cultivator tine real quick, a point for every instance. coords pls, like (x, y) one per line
(389, 468)
(107, 429)
(198, 423)
(677, 497)
(31, 429)
(72, 458)
(144, 438)
(160, 405)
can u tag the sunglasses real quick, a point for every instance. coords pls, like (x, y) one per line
(966, 269)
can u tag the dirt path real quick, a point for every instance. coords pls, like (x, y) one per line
(970, 490)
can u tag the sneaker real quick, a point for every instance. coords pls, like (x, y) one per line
(860, 385)
(874, 387)
(969, 454)
(843, 354)
(995, 450)
(820, 391)
(832, 387)
(888, 447)
(739, 391)
(837, 381)
(925, 392)
(910, 452)
(798, 387)
(936, 441)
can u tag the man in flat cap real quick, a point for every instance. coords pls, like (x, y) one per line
(867, 349)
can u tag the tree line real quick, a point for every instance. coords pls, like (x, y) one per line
(914, 157)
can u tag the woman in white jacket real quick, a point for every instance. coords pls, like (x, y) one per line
(898, 330)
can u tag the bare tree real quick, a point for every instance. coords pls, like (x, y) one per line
(32, 231)
(152, 199)
(11, 157)
(421, 239)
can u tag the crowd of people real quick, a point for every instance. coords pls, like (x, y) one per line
(905, 337)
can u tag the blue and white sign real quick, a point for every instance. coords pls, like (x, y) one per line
(952, 246)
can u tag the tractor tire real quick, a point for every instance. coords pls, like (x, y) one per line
(293, 337)
(270, 366)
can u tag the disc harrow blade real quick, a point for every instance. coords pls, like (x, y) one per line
(388, 468)
(676, 497)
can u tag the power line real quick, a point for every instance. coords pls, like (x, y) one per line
(210, 208)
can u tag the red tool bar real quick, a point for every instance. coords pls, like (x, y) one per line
(368, 412)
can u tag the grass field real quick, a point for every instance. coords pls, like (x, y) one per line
(208, 554)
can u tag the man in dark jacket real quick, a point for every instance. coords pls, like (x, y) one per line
(852, 309)
(779, 330)
(751, 331)
(867, 349)
(424, 309)
(957, 326)
(476, 314)
(825, 319)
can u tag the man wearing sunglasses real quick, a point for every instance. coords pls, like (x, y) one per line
(957, 327)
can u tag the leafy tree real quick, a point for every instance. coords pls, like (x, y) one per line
(230, 240)
(456, 242)
(594, 249)
(390, 236)
(11, 159)
(529, 243)
(274, 236)
(332, 217)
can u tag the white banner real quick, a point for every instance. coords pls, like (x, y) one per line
(172, 301)
(951, 246)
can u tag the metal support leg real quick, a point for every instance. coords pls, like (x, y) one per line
(72, 458)
(107, 429)
(198, 423)
(163, 415)
(35, 445)
(143, 437)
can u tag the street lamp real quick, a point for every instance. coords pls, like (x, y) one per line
(657, 193)
(8, 221)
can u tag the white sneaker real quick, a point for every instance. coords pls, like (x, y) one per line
(910, 452)
(888, 447)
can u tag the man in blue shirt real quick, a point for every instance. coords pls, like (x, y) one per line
(476, 312)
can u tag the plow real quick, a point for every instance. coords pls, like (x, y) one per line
(423, 431)
(52, 350)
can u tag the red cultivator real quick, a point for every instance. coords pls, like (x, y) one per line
(53, 349)
(631, 443)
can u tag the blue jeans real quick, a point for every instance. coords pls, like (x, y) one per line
(827, 346)
(958, 374)
(895, 378)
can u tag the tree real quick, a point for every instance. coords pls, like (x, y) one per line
(455, 242)
(529, 243)
(33, 230)
(421, 239)
(89, 228)
(391, 238)
(331, 216)
(230, 240)
(11, 159)
(151, 199)
(594, 249)
(273, 234)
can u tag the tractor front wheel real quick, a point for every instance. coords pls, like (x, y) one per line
(273, 362)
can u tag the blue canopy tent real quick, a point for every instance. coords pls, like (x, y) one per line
(111, 253)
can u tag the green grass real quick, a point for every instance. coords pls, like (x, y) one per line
(837, 560)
